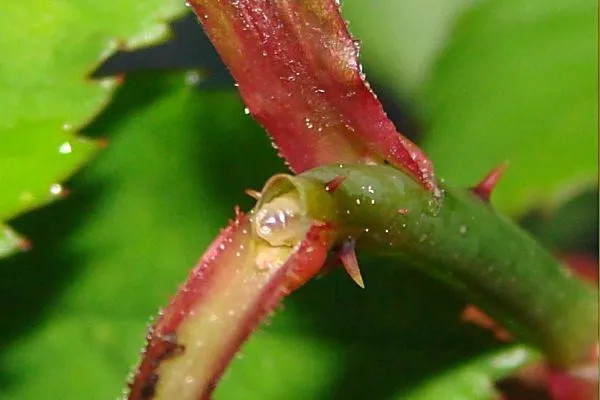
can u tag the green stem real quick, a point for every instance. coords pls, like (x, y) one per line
(462, 240)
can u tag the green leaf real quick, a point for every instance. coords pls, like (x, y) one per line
(401, 39)
(136, 222)
(50, 50)
(475, 380)
(518, 82)
(10, 241)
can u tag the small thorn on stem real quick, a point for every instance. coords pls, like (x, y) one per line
(102, 142)
(24, 244)
(65, 192)
(472, 314)
(347, 255)
(484, 188)
(120, 78)
(333, 184)
(253, 193)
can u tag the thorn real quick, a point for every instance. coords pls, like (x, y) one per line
(65, 192)
(102, 142)
(333, 184)
(120, 78)
(473, 315)
(253, 193)
(484, 188)
(24, 244)
(348, 257)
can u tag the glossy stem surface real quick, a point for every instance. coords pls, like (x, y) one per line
(462, 240)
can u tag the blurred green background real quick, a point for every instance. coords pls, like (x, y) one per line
(474, 82)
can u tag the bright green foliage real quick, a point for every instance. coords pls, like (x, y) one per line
(475, 379)
(518, 82)
(510, 85)
(497, 81)
(401, 38)
(50, 49)
(138, 219)
(9, 241)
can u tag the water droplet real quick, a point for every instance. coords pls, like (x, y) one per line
(56, 188)
(366, 230)
(65, 148)
(192, 78)
(107, 83)
(308, 123)
(279, 222)
(67, 127)
(188, 4)
(372, 201)
(246, 110)
(463, 229)
(358, 202)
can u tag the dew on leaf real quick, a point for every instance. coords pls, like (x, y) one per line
(56, 188)
(65, 148)
(192, 78)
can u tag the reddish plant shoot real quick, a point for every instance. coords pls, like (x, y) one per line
(238, 281)
(298, 72)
